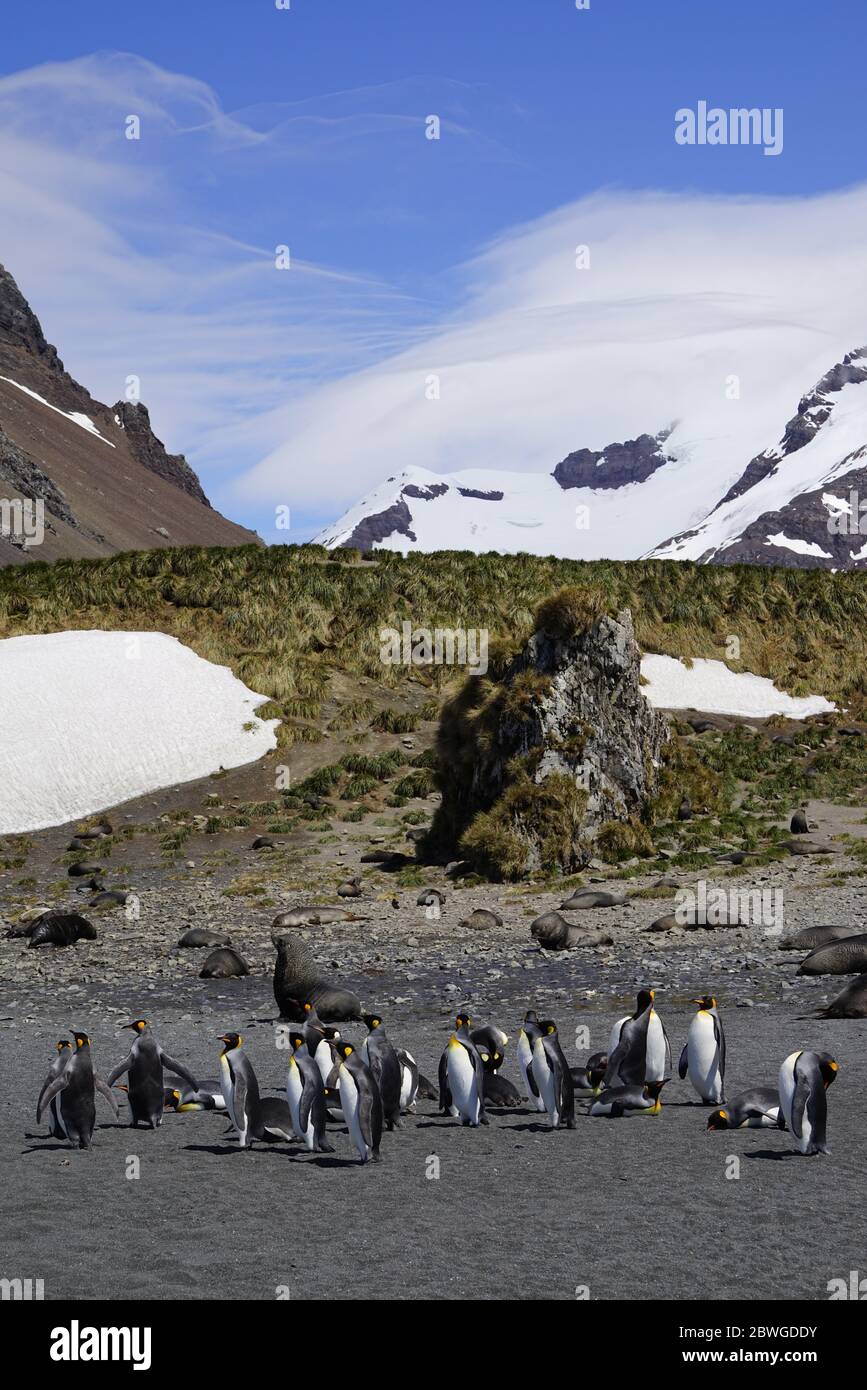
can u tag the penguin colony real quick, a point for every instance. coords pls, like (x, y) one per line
(369, 1088)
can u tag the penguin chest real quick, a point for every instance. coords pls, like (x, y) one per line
(656, 1051)
(294, 1091)
(227, 1088)
(614, 1037)
(407, 1082)
(703, 1057)
(462, 1082)
(545, 1080)
(349, 1104)
(324, 1060)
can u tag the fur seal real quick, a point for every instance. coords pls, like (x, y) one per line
(845, 957)
(201, 936)
(223, 964)
(554, 933)
(798, 824)
(60, 929)
(297, 982)
(851, 1003)
(592, 898)
(264, 842)
(109, 897)
(811, 937)
(482, 919)
(350, 889)
(80, 870)
(684, 810)
(807, 847)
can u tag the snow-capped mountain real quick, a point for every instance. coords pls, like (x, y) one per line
(682, 492)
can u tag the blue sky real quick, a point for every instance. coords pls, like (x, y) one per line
(542, 106)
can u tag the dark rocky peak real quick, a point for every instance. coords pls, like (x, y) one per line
(813, 410)
(19, 326)
(149, 451)
(616, 465)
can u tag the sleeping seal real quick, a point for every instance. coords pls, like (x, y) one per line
(200, 936)
(554, 933)
(297, 982)
(61, 929)
(845, 957)
(592, 898)
(224, 964)
(851, 1003)
(811, 937)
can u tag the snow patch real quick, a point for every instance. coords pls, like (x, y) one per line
(83, 421)
(711, 687)
(800, 547)
(91, 719)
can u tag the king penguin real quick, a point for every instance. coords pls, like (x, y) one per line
(383, 1062)
(75, 1088)
(465, 1075)
(361, 1102)
(58, 1066)
(758, 1108)
(804, 1080)
(704, 1053)
(657, 1064)
(553, 1077)
(145, 1064)
(621, 1102)
(530, 1031)
(306, 1096)
(408, 1081)
(240, 1090)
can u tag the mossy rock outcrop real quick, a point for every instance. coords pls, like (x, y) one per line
(561, 746)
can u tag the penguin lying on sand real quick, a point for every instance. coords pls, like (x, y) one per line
(755, 1109)
(619, 1102)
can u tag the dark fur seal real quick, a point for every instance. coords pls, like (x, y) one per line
(851, 1003)
(592, 898)
(798, 824)
(109, 897)
(845, 957)
(264, 842)
(61, 929)
(350, 889)
(200, 936)
(483, 919)
(297, 982)
(554, 933)
(811, 937)
(224, 964)
(84, 870)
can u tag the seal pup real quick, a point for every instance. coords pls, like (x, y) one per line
(224, 964)
(60, 929)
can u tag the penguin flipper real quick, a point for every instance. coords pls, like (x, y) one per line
(102, 1087)
(720, 1037)
(683, 1064)
(443, 1078)
(370, 1116)
(49, 1092)
(178, 1070)
(307, 1097)
(667, 1041)
(799, 1103)
(119, 1070)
